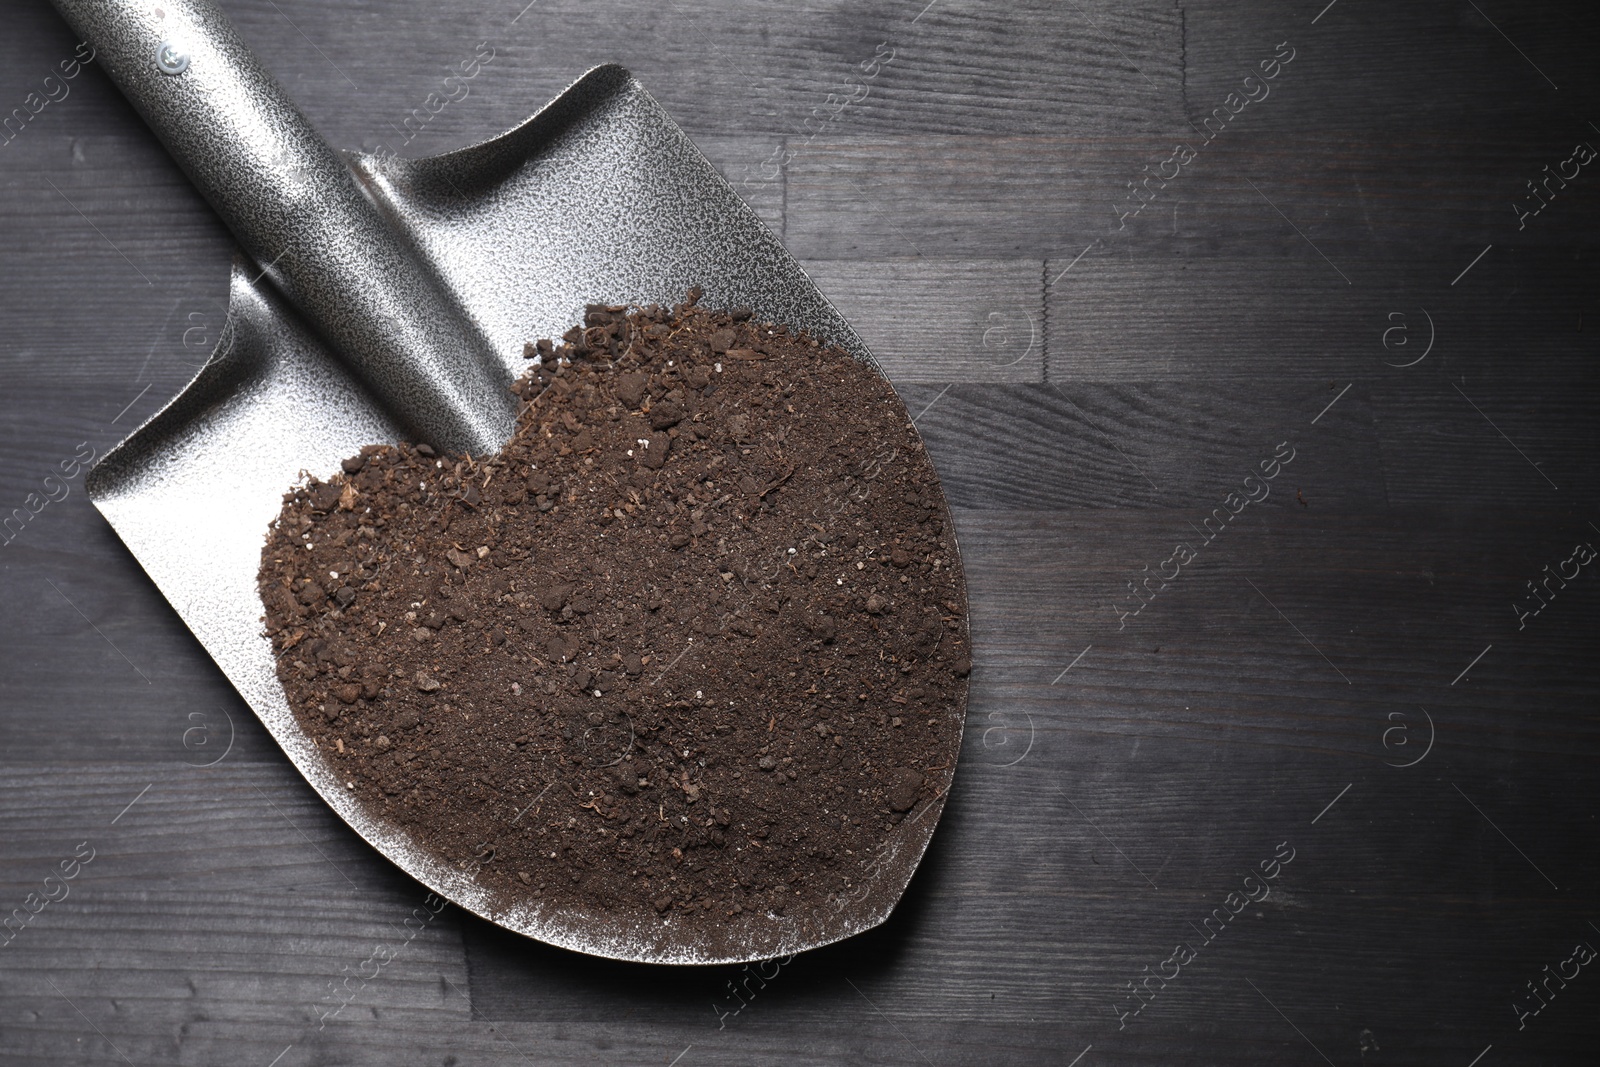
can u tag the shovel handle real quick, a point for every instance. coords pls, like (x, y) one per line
(297, 210)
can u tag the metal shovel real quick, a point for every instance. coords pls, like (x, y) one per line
(381, 299)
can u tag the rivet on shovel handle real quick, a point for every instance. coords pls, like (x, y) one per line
(171, 58)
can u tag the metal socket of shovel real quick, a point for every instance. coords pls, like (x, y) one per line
(379, 300)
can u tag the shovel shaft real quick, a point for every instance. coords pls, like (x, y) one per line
(297, 210)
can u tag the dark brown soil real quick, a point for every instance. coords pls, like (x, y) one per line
(696, 636)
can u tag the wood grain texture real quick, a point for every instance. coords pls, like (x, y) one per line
(944, 320)
(1223, 310)
(1358, 199)
(1383, 66)
(1144, 444)
(728, 66)
(1351, 668)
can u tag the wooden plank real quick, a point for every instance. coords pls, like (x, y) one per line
(1056, 582)
(1078, 890)
(1356, 199)
(102, 662)
(1489, 433)
(726, 66)
(1353, 625)
(1358, 63)
(721, 67)
(1220, 311)
(1145, 444)
(943, 320)
(182, 911)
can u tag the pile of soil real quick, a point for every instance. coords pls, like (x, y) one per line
(694, 641)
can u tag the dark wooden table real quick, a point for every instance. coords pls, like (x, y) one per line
(1354, 672)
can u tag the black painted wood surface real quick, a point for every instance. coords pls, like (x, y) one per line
(1349, 671)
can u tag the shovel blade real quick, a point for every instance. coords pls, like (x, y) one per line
(600, 197)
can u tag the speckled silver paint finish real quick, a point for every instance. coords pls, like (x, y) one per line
(600, 196)
(298, 211)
